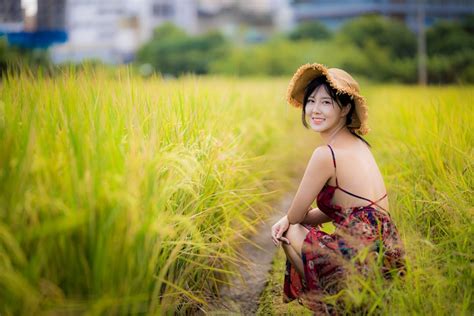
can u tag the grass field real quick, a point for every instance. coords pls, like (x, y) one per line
(121, 195)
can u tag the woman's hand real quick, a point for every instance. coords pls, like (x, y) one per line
(278, 229)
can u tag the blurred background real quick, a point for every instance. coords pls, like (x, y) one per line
(383, 40)
(123, 193)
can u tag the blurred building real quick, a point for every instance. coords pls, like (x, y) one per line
(112, 30)
(334, 13)
(11, 16)
(51, 15)
(92, 28)
(245, 21)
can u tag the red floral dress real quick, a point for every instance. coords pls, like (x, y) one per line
(327, 257)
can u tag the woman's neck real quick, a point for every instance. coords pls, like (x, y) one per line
(339, 131)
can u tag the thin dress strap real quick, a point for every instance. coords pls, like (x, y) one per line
(354, 195)
(334, 163)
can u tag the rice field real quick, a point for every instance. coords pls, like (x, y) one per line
(124, 195)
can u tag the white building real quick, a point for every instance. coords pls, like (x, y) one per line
(112, 30)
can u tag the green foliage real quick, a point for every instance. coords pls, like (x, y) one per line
(171, 51)
(374, 62)
(281, 57)
(386, 49)
(310, 30)
(371, 46)
(456, 68)
(450, 46)
(450, 37)
(368, 46)
(386, 33)
(168, 31)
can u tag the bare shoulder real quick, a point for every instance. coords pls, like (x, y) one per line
(321, 157)
(322, 152)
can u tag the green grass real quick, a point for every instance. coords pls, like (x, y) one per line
(423, 140)
(120, 195)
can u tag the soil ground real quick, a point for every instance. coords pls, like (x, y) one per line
(244, 296)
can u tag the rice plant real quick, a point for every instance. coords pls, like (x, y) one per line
(122, 195)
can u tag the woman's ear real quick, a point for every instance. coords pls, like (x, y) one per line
(346, 109)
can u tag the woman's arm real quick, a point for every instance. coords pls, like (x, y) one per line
(315, 217)
(318, 171)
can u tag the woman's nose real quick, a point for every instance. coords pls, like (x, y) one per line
(314, 109)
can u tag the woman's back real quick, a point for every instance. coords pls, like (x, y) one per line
(358, 176)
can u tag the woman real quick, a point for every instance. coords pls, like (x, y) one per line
(344, 179)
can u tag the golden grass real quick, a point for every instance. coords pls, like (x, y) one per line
(121, 195)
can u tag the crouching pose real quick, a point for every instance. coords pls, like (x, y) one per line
(343, 178)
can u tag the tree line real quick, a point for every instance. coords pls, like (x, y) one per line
(373, 46)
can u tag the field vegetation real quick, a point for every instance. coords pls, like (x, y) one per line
(122, 195)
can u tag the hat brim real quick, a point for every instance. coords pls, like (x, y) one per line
(306, 73)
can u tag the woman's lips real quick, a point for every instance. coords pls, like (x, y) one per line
(318, 120)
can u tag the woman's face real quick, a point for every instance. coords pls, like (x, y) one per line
(322, 112)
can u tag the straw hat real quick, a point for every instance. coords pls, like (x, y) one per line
(337, 78)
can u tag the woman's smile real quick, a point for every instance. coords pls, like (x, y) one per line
(318, 120)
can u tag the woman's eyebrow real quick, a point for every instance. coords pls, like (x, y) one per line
(323, 98)
(311, 97)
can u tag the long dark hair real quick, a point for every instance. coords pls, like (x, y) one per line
(341, 99)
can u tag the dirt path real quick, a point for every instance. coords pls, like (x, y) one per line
(242, 297)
